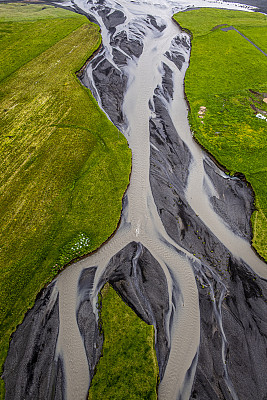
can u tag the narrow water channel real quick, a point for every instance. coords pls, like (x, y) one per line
(184, 225)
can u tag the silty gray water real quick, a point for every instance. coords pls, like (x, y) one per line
(178, 222)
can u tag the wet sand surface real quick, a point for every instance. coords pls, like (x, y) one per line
(181, 257)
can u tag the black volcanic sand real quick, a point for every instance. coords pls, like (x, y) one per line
(31, 371)
(89, 329)
(111, 83)
(233, 322)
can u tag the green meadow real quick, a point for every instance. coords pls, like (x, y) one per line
(64, 166)
(226, 86)
(128, 368)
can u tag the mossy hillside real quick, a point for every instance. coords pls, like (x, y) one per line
(128, 367)
(227, 75)
(64, 166)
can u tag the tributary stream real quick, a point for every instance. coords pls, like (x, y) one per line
(181, 256)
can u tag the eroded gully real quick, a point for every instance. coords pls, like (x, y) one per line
(181, 256)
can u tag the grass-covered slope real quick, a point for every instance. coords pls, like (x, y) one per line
(228, 76)
(128, 368)
(64, 166)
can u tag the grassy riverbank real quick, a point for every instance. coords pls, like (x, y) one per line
(64, 166)
(226, 87)
(128, 368)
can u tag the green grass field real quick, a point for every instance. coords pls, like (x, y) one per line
(128, 368)
(64, 166)
(228, 76)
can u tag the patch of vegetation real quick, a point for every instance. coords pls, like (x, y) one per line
(64, 166)
(128, 368)
(227, 79)
(75, 248)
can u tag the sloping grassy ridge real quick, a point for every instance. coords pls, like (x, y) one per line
(128, 368)
(226, 86)
(64, 166)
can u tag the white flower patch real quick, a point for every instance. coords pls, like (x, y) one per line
(260, 116)
(82, 241)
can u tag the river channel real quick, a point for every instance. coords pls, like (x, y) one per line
(181, 257)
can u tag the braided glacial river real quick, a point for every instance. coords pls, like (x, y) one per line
(181, 256)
